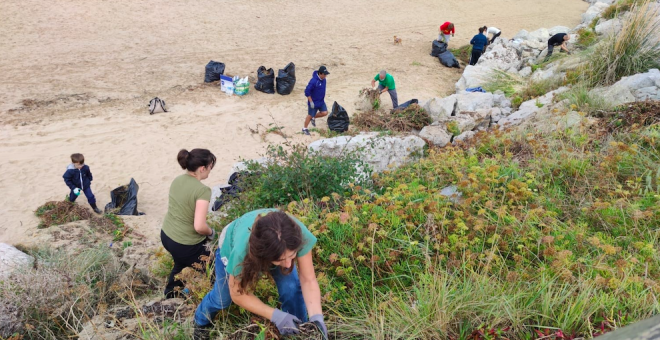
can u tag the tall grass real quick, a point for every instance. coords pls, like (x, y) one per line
(635, 49)
(584, 100)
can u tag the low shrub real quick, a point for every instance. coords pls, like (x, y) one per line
(462, 53)
(295, 173)
(586, 37)
(581, 99)
(411, 118)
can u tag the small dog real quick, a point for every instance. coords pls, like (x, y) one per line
(397, 41)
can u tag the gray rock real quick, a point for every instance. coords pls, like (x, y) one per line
(640, 80)
(529, 108)
(12, 259)
(623, 91)
(473, 101)
(464, 136)
(594, 11)
(558, 29)
(544, 74)
(525, 72)
(464, 122)
(522, 35)
(473, 76)
(608, 27)
(647, 93)
(440, 108)
(379, 152)
(499, 56)
(541, 35)
(496, 114)
(452, 193)
(570, 120)
(436, 135)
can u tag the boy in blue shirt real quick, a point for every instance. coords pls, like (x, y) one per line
(315, 93)
(79, 178)
(478, 43)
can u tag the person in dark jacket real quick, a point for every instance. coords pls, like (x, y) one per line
(559, 39)
(79, 178)
(315, 93)
(478, 43)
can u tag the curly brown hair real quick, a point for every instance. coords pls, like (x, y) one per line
(270, 236)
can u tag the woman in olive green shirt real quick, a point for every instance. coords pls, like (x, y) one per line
(185, 230)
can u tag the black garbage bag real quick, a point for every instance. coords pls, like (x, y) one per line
(286, 79)
(338, 120)
(447, 58)
(265, 80)
(231, 191)
(213, 71)
(124, 200)
(437, 48)
(403, 106)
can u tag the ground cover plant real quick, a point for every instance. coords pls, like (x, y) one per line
(553, 234)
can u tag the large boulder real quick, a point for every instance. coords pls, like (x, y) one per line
(629, 89)
(530, 107)
(608, 27)
(463, 121)
(522, 35)
(501, 57)
(525, 72)
(436, 135)
(381, 153)
(540, 35)
(647, 93)
(473, 76)
(594, 11)
(440, 108)
(12, 259)
(472, 101)
(558, 29)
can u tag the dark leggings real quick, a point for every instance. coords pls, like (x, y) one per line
(476, 54)
(184, 256)
(495, 36)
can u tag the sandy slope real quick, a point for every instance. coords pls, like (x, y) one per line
(77, 75)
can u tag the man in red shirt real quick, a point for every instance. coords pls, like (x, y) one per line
(445, 30)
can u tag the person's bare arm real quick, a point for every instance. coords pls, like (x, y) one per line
(373, 83)
(385, 89)
(309, 284)
(199, 222)
(248, 301)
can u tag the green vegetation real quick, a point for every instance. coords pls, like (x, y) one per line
(634, 50)
(462, 53)
(554, 234)
(582, 100)
(620, 7)
(586, 37)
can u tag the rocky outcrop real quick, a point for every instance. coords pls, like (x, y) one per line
(436, 135)
(440, 108)
(637, 87)
(612, 26)
(594, 11)
(529, 108)
(381, 153)
(12, 259)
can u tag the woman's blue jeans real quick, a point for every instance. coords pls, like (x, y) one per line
(288, 287)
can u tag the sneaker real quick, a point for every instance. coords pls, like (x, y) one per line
(202, 332)
(314, 122)
(306, 131)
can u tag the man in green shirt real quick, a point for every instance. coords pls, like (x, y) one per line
(386, 83)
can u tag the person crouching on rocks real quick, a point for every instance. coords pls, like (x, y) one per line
(264, 241)
(185, 232)
(496, 32)
(478, 43)
(559, 39)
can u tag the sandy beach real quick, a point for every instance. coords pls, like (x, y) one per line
(77, 77)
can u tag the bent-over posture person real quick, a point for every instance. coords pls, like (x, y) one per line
(264, 241)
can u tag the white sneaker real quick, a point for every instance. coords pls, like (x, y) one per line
(306, 131)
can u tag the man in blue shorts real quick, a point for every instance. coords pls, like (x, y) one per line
(315, 93)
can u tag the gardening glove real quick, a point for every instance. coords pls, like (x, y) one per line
(212, 236)
(311, 104)
(77, 191)
(318, 321)
(286, 323)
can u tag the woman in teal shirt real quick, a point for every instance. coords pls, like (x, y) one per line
(265, 240)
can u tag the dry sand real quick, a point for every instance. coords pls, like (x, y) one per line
(77, 76)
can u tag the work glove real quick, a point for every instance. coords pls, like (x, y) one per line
(286, 323)
(77, 191)
(318, 321)
(212, 236)
(311, 104)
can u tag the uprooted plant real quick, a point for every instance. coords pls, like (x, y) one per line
(372, 95)
(413, 117)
